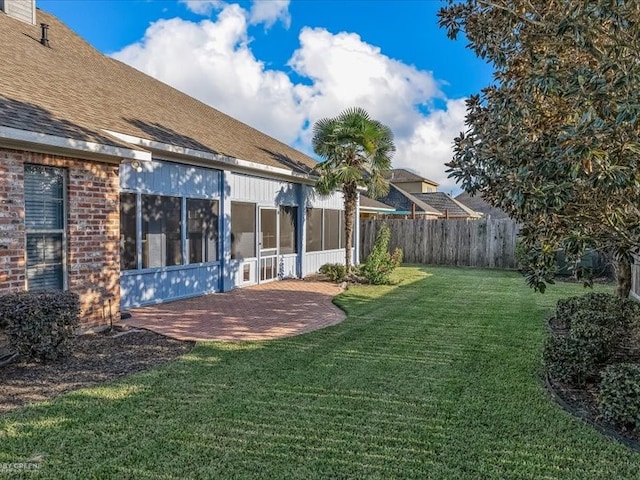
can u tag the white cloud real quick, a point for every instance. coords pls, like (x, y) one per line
(430, 144)
(212, 61)
(269, 12)
(346, 72)
(204, 7)
(266, 12)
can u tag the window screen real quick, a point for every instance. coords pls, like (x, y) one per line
(202, 230)
(128, 241)
(243, 230)
(314, 229)
(288, 229)
(331, 229)
(161, 228)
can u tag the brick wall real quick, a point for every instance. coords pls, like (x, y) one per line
(93, 262)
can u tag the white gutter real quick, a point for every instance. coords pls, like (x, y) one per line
(211, 157)
(14, 137)
(377, 210)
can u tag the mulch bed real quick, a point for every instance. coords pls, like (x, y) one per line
(582, 403)
(98, 358)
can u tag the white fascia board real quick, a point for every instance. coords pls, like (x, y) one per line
(222, 160)
(43, 142)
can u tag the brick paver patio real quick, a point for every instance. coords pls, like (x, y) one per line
(261, 312)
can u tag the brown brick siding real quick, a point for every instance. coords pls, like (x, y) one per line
(93, 262)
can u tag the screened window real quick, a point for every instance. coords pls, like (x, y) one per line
(331, 229)
(243, 230)
(128, 241)
(202, 230)
(288, 229)
(161, 226)
(343, 243)
(314, 229)
(268, 231)
(45, 226)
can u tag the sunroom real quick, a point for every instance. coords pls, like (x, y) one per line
(189, 230)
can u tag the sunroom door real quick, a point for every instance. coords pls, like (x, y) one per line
(268, 244)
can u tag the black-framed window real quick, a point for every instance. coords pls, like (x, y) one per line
(288, 229)
(243, 230)
(202, 230)
(161, 231)
(45, 224)
(128, 238)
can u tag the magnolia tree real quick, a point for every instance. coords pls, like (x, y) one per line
(554, 141)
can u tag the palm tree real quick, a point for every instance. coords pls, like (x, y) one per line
(357, 152)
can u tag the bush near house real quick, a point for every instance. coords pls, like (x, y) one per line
(41, 325)
(380, 263)
(336, 272)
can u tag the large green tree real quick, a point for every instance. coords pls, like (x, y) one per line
(554, 140)
(357, 151)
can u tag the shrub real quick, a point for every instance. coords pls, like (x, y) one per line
(619, 395)
(380, 263)
(40, 325)
(578, 357)
(335, 271)
(616, 313)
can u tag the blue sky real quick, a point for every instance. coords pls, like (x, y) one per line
(280, 66)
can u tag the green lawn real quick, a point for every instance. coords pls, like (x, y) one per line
(434, 378)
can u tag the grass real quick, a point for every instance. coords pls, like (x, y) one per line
(434, 378)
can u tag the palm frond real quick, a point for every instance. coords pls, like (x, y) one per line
(356, 150)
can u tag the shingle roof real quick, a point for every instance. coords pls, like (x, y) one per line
(478, 204)
(400, 175)
(371, 204)
(444, 202)
(73, 91)
(402, 201)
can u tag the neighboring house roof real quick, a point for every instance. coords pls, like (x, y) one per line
(446, 204)
(403, 175)
(478, 204)
(71, 90)
(403, 201)
(369, 204)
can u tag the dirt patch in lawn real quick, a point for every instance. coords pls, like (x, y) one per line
(98, 357)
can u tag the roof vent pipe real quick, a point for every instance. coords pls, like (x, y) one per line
(44, 40)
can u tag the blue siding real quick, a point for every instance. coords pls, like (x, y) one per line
(313, 200)
(263, 191)
(144, 287)
(164, 178)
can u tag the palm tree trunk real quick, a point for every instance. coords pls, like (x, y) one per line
(350, 198)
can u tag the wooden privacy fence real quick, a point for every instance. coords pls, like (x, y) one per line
(474, 243)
